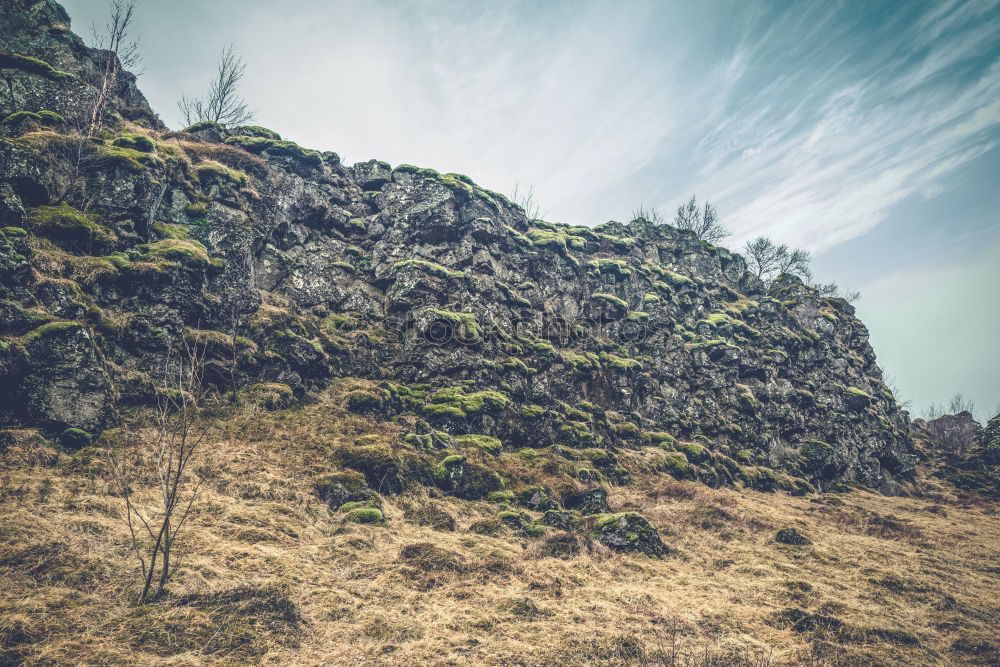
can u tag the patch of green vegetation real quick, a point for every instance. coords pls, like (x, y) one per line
(747, 400)
(211, 172)
(518, 237)
(29, 65)
(577, 430)
(659, 439)
(505, 497)
(637, 316)
(513, 296)
(699, 345)
(620, 363)
(650, 299)
(854, 391)
(488, 444)
(677, 280)
(44, 118)
(580, 361)
(515, 364)
(13, 232)
(65, 223)
(204, 125)
(429, 267)
(186, 251)
(257, 131)
(51, 329)
(693, 452)
(465, 320)
(532, 411)
(368, 515)
(609, 267)
(136, 142)
(346, 267)
(262, 145)
(168, 231)
(618, 306)
(454, 402)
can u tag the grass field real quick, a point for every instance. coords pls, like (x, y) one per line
(272, 575)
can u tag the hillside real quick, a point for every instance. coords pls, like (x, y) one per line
(429, 427)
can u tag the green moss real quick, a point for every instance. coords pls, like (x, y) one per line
(137, 142)
(109, 155)
(13, 232)
(211, 172)
(513, 296)
(51, 329)
(257, 131)
(29, 65)
(581, 362)
(204, 125)
(264, 145)
(677, 280)
(577, 430)
(486, 443)
(515, 364)
(505, 497)
(44, 118)
(465, 320)
(616, 268)
(171, 231)
(620, 363)
(532, 411)
(186, 251)
(362, 400)
(659, 439)
(368, 515)
(637, 316)
(75, 438)
(746, 457)
(455, 402)
(620, 306)
(676, 464)
(196, 210)
(694, 452)
(542, 238)
(346, 267)
(854, 391)
(65, 223)
(429, 267)
(355, 504)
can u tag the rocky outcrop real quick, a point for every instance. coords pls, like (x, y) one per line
(467, 320)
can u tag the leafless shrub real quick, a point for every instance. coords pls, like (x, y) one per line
(121, 53)
(223, 103)
(650, 214)
(526, 200)
(703, 221)
(165, 458)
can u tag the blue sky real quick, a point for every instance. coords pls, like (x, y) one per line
(865, 132)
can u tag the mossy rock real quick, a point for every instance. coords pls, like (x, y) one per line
(694, 452)
(514, 519)
(791, 536)
(561, 519)
(336, 489)
(366, 401)
(75, 438)
(367, 515)
(136, 142)
(270, 395)
(505, 497)
(759, 479)
(589, 501)
(466, 480)
(536, 498)
(380, 466)
(486, 443)
(628, 532)
(67, 225)
(818, 459)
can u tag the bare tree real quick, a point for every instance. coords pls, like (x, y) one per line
(767, 260)
(703, 221)
(165, 459)
(223, 104)
(526, 200)
(959, 403)
(121, 53)
(650, 214)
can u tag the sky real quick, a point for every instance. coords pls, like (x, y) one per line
(866, 132)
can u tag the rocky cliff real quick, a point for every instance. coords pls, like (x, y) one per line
(458, 316)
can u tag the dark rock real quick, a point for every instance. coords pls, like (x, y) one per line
(791, 536)
(629, 532)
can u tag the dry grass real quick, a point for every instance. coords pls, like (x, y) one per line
(272, 576)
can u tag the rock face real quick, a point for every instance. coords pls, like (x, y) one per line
(291, 268)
